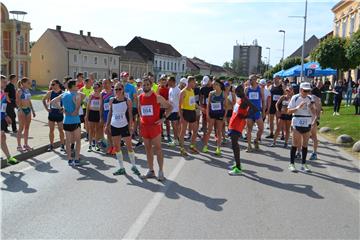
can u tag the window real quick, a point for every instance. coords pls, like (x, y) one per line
(172, 64)
(114, 61)
(22, 46)
(155, 62)
(110, 59)
(168, 66)
(74, 76)
(85, 59)
(104, 75)
(183, 67)
(160, 64)
(164, 66)
(95, 60)
(75, 58)
(105, 61)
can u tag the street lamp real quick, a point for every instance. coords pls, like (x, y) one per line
(283, 49)
(17, 15)
(303, 46)
(268, 57)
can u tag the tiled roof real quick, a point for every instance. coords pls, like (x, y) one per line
(216, 68)
(128, 55)
(201, 64)
(310, 44)
(159, 48)
(83, 42)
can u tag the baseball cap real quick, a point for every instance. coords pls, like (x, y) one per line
(227, 84)
(262, 82)
(305, 86)
(184, 80)
(138, 80)
(124, 74)
(205, 80)
(162, 76)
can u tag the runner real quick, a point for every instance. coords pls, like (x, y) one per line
(267, 96)
(5, 120)
(149, 105)
(107, 94)
(94, 117)
(256, 95)
(304, 118)
(55, 114)
(25, 108)
(316, 97)
(10, 89)
(285, 118)
(237, 124)
(80, 80)
(187, 104)
(139, 91)
(174, 95)
(203, 99)
(120, 123)
(183, 83)
(230, 102)
(163, 91)
(86, 90)
(71, 101)
(276, 92)
(215, 115)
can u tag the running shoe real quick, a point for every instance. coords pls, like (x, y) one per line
(313, 156)
(172, 144)
(231, 167)
(71, 162)
(160, 177)
(193, 149)
(205, 149)
(11, 160)
(256, 145)
(113, 151)
(110, 149)
(89, 149)
(249, 148)
(270, 136)
(292, 167)
(224, 141)
(305, 168)
(139, 144)
(149, 174)
(62, 148)
(135, 170)
(77, 162)
(50, 148)
(218, 151)
(176, 142)
(97, 148)
(169, 139)
(235, 171)
(121, 171)
(183, 152)
(28, 148)
(272, 145)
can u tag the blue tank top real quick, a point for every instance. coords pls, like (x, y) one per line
(69, 106)
(106, 99)
(3, 106)
(52, 96)
(217, 103)
(254, 95)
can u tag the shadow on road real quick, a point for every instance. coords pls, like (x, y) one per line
(14, 183)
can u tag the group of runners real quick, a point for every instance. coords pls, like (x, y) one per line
(114, 112)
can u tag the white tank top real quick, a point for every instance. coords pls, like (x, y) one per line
(119, 110)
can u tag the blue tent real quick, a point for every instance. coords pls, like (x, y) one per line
(279, 73)
(311, 69)
(292, 72)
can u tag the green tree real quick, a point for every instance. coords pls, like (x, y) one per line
(226, 64)
(236, 66)
(353, 50)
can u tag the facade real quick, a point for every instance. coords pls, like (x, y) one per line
(249, 58)
(132, 62)
(58, 53)
(15, 45)
(164, 57)
(346, 22)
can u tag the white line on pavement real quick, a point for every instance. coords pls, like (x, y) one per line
(150, 208)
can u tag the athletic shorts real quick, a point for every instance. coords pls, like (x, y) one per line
(135, 112)
(303, 130)
(229, 113)
(150, 131)
(3, 125)
(189, 115)
(286, 117)
(234, 133)
(82, 117)
(122, 132)
(216, 116)
(255, 116)
(272, 108)
(94, 116)
(55, 117)
(174, 117)
(71, 127)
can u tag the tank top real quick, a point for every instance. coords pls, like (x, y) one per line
(254, 95)
(164, 92)
(52, 96)
(106, 99)
(188, 102)
(149, 109)
(94, 103)
(69, 106)
(3, 105)
(87, 92)
(237, 120)
(217, 103)
(284, 104)
(276, 93)
(120, 114)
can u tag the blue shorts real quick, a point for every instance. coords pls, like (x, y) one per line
(254, 116)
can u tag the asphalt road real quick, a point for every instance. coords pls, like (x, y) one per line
(45, 198)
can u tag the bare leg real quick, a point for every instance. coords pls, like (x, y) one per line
(149, 153)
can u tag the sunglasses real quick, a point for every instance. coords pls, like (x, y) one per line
(53, 84)
(306, 91)
(118, 89)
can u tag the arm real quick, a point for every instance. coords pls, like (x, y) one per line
(56, 101)
(168, 107)
(18, 100)
(135, 98)
(181, 98)
(208, 106)
(88, 108)
(101, 109)
(262, 101)
(129, 104)
(109, 114)
(233, 98)
(77, 105)
(45, 99)
(32, 109)
(278, 104)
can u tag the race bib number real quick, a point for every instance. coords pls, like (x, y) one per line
(192, 101)
(3, 107)
(215, 106)
(285, 103)
(106, 106)
(276, 97)
(147, 110)
(95, 104)
(236, 108)
(254, 96)
(301, 122)
(81, 111)
(120, 117)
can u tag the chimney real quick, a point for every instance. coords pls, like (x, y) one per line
(89, 34)
(58, 28)
(81, 32)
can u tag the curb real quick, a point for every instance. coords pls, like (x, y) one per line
(37, 151)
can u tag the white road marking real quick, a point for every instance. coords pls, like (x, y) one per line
(150, 208)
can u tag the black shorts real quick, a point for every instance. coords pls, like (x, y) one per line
(303, 130)
(174, 117)
(286, 117)
(82, 117)
(217, 116)
(55, 117)
(273, 108)
(3, 125)
(94, 116)
(122, 132)
(162, 113)
(229, 113)
(71, 127)
(135, 112)
(189, 115)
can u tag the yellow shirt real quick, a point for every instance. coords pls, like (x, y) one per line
(188, 102)
(87, 92)
(155, 87)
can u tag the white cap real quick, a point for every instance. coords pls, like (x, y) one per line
(162, 76)
(305, 86)
(262, 82)
(205, 80)
(184, 80)
(138, 80)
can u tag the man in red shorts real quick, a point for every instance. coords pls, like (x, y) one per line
(149, 105)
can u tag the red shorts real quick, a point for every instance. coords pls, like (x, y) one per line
(150, 131)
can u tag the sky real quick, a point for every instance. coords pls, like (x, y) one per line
(207, 29)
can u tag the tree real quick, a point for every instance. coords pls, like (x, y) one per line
(226, 64)
(353, 50)
(236, 66)
(288, 63)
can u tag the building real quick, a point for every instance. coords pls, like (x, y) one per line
(197, 66)
(310, 45)
(132, 62)
(58, 53)
(15, 45)
(346, 22)
(164, 57)
(248, 57)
